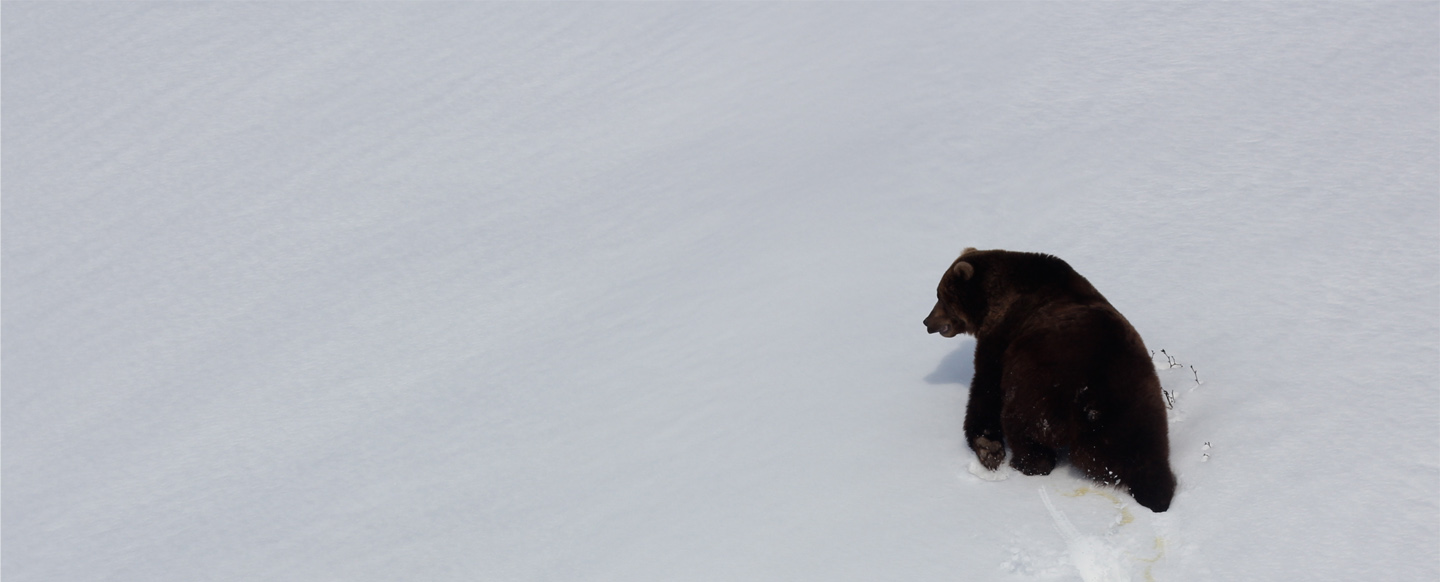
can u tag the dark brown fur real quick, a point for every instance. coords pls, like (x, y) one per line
(1056, 366)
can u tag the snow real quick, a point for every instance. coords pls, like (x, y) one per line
(320, 291)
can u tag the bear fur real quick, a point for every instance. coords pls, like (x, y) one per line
(1056, 367)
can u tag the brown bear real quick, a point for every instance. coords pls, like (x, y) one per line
(1056, 367)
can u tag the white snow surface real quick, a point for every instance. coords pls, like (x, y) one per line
(519, 291)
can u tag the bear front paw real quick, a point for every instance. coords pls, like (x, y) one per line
(991, 453)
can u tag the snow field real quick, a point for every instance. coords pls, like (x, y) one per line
(633, 291)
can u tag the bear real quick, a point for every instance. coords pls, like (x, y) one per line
(1056, 368)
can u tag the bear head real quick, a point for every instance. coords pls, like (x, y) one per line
(961, 305)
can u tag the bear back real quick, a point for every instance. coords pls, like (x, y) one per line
(997, 290)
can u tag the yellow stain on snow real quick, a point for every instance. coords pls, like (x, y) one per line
(1150, 563)
(1125, 518)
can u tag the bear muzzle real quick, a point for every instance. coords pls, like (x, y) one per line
(944, 329)
(937, 322)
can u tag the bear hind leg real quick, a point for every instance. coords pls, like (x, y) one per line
(1149, 481)
(1152, 485)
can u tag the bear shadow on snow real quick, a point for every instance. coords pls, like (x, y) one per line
(957, 367)
(1058, 374)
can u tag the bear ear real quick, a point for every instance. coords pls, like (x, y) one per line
(967, 251)
(964, 270)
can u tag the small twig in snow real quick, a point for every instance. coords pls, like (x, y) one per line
(1170, 359)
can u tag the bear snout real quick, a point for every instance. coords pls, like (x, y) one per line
(937, 322)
